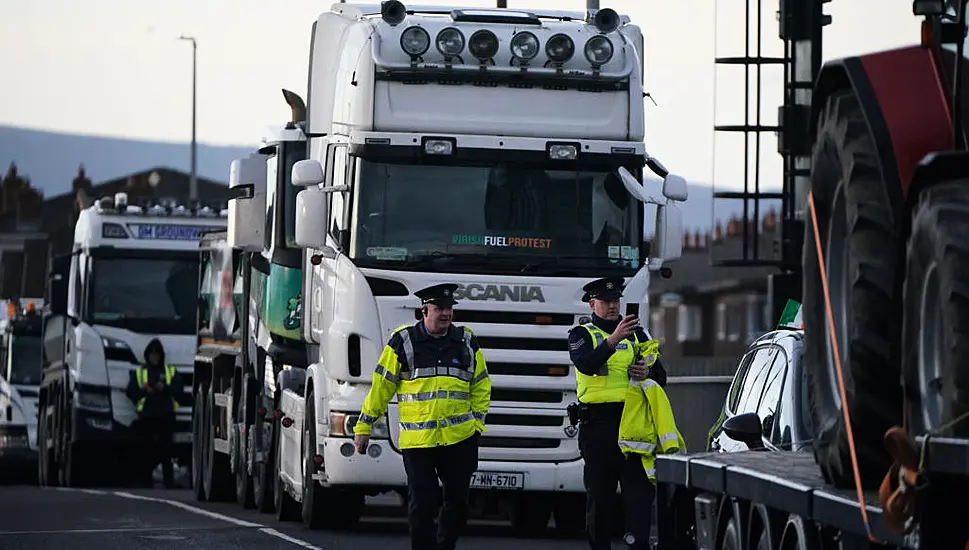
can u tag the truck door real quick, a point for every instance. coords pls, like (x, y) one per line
(55, 341)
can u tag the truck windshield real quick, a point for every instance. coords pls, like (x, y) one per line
(293, 152)
(24, 357)
(151, 295)
(523, 217)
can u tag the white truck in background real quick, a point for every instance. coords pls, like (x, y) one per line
(498, 149)
(132, 276)
(20, 371)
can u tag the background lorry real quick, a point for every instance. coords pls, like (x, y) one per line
(879, 199)
(249, 323)
(131, 277)
(444, 146)
(20, 334)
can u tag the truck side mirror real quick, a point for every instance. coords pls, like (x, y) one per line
(668, 236)
(311, 217)
(247, 202)
(675, 188)
(745, 428)
(307, 173)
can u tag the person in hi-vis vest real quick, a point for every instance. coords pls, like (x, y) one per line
(603, 351)
(154, 389)
(647, 429)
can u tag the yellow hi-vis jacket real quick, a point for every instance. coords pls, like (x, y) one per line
(439, 404)
(141, 376)
(609, 384)
(647, 427)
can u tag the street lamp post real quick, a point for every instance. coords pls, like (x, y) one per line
(193, 190)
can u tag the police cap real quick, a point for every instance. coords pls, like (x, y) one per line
(607, 288)
(439, 295)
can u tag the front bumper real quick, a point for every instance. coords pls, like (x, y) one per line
(387, 469)
(100, 427)
(15, 446)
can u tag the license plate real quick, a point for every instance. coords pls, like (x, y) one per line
(514, 481)
(183, 437)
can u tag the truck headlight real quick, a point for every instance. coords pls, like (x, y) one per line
(450, 42)
(560, 48)
(117, 350)
(415, 41)
(524, 46)
(97, 402)
(341, 425)
(598, 50)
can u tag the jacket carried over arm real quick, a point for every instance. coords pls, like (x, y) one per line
(439, 404)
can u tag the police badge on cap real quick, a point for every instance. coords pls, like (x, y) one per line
(439, 295)
(607, 288)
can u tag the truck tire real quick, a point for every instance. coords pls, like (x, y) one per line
(200, 436)
(935, 339)
(287, 509)
(262, 472)
(217, 476)
(856, 221)
(324, 508)
(240, 462)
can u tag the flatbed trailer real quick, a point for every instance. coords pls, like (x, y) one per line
(781, 500)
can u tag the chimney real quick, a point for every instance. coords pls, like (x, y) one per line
(686, 240)
(718, 232)
(706, 240)
(697, 239)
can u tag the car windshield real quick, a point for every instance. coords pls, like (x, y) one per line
(156, 295)
(24, 360)
(501, 217)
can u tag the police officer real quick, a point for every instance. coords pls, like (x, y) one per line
(439, 375)
(155, 389)
(647, 429)
(604, 354)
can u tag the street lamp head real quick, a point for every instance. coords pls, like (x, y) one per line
(189, 38)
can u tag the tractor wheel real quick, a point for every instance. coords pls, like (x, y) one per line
(936, 326)
(857, 225)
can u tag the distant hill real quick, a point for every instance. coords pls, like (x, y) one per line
(50, 160)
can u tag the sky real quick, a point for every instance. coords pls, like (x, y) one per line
(116, 68)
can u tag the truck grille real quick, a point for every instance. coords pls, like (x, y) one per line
(531, 384)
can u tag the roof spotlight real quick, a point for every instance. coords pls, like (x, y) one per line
(560, 48)
(483, 45)
(393, 12)
(450, 42)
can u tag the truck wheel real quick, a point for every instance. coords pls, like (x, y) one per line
(731, 536)
(43, 454)
(287, 509)
(324, 508)
(200, 435)
(217, 477)
(262, 479)
(243, 480)
(856, 222)
(936, 325)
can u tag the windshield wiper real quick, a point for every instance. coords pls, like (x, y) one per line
(437, 256)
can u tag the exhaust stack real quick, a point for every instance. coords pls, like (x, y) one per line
(297, 105)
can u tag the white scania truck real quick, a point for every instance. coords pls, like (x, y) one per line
(132, 276)
(20, 371)
(498, 149)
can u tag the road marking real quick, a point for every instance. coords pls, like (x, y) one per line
(235, 521)
(272, 532)
(188, 508)
(108, 530)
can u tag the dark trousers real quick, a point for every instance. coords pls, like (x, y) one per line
(157, 433)
(605, 469)
(453, 465)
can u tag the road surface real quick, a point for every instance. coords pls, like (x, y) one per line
(106, 519)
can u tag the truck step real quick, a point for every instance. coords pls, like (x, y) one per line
(221, 446)
(221, 400)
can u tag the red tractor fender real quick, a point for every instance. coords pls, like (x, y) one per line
(905, 102)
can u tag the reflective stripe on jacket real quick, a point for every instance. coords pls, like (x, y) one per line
(609, 384)
(648, 427)
(141, 376)
(439, 404)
